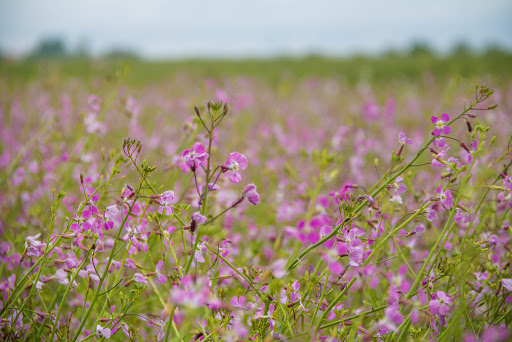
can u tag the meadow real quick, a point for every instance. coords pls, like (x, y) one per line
(366, 199)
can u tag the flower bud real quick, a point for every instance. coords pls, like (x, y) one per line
(197, 111)
(468, 124)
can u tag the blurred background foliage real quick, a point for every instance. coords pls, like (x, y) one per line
(51, 58)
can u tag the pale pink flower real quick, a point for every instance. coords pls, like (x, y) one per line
(236, 162)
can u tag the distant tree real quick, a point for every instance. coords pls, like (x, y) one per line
(496, 50)
(462, 49)
(82, 49)
(121, 53)
(420, 49)
(49, 48)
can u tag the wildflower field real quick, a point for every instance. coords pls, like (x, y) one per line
(236, 207)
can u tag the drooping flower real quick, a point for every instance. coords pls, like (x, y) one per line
(440, 124)
(195, 156)
(236, 162)
(251, 194)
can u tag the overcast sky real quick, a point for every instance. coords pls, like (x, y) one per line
(165, 28)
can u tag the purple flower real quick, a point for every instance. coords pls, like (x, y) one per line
(90, 273)
(34, 247)
(161, 278)
(402, 139)
(439, 306)
(103, 332)
(445, 197)
(166, 201)
(81, 223)
(62, 277)
(440, 124)
(236, 162)
(195, 156)
(198, 255)
(198, 218)
(420, 229)
(112, 212)
(238, 302)
(251, 194)
(140, 278)
(507, 283)
(394, 315)
(430, 213)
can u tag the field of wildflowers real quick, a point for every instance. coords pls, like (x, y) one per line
(226, 209)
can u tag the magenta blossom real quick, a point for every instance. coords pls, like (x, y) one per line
(195, 156)
(445, 197)
(166, 201)
(81, 223)
(251, 194)
(440, 124)
(440, 307)
(236, 162)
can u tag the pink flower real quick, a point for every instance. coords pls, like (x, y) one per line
(251, 194)
(198, 255)
(62, 277)
(440, 306)
(238, 302)
(236, 162)
(195, 156)
(445, 197)
(103, 332)
(440, 124)
(420, 229)
(161, 278)
(140, 278)
(393, 315)
(430, 213)
(507, 283)
(402, 139)
(34, 247)
(198, 218)
(110, 214)
(89, 272)
(166, 200)
(81, 223)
